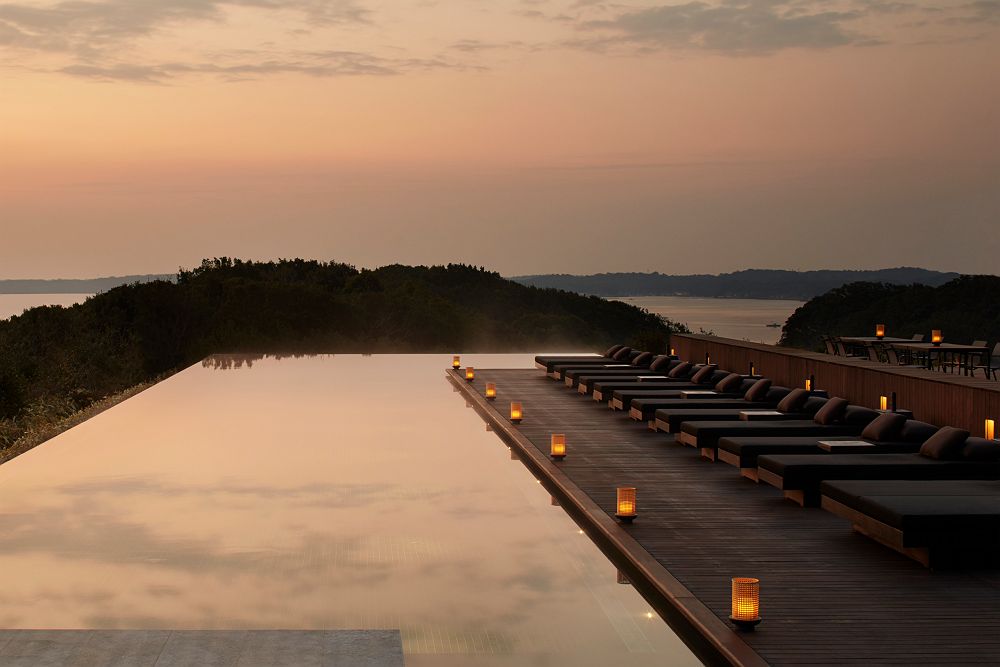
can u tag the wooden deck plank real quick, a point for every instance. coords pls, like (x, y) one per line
(829, 596)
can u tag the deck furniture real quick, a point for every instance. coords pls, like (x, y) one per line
(944, 353)
(584, 379)
(604, 390)
(990, 364)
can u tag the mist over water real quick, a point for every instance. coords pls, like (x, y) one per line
(742, 319)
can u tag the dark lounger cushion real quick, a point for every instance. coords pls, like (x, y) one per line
(643, 359)
(758, 392)
(832, 412)
(857, 415)
(794, 401)
(704, 374)
(662, 362)
(981, 449)
(914, 431)
(730, 383)
(612, 350)
(885, 428)
(622, 353)
(945, 445)
(680, 370)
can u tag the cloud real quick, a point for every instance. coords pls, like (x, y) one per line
(735, 27)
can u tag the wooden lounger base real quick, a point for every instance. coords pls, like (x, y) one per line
(708, 453)
(635, 414)
(616, 404)
(734, 460)
(597, 396)
(687, 439)
(659, 425)
(876, 530)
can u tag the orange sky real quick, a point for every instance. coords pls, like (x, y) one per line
(136, 137)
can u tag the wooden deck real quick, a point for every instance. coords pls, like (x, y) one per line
(828, 595)
(945, 399)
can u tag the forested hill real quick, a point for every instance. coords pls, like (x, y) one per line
(965, 309)
(76, 285)
(55, 358)
(749, 284)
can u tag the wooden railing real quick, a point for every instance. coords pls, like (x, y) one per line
(943, 399)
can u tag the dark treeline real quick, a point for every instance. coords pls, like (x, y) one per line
(965, 309)
(55, 359)
(749, 284)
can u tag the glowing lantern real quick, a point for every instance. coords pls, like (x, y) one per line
(516, 413)
(753, 370)
(673, 352)
(470, 373)
(883, 403)
(558, 446)
(456, 362)
(880, 331)
(626, 511)
(746, 603)
(708, 359)
(936, 336)
(991, 429)
(811, 383)
(491, 391)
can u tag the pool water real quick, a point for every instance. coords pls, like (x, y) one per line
(325, 492)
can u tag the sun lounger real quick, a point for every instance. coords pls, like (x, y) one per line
(938, 523)
(743, 451)
(800, 476)
(603, 389)
(669, 419)
(621, 394)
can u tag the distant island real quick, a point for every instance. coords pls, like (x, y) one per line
(58, 361)
(748, 284)
(77, 285)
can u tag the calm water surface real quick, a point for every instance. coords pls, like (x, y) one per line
(306, 493)
(15, 304)
(742, 319)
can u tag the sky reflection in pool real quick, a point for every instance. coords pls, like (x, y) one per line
(306, 493)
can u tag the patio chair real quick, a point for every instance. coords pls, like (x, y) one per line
(828, 344)
(990, 368)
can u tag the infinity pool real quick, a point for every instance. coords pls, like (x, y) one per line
(326, 492)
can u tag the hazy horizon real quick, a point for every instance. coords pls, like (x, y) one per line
(528, 136)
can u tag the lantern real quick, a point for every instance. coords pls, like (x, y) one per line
(625, 506)
(880, 331)
(470, 373)
(491, 391)
(811, 383)
(746, 603)
(622, 579)
(456, 362)
(936, 336)
(753, 370)
(991, 429)
(708, 359)
(557, 446)
(673, 352)
(516, 413)
(883, 403)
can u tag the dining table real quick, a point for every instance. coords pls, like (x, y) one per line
(963, 352)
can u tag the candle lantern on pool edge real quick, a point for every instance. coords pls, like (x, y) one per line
(470, 373)
(746, 603)
(936, 336)
(990, 432)
(880, 331)
(557, 446)
(516, 413)
(491, 391)
(456, 362)
(625, 505)
(811, 383)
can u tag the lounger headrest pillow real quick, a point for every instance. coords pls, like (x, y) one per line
(622, 353)
(775, 394)
(612, 350)
(914, 431)
(704, 374)
(945, 445)
(730, 383)
(832, 412)
(758, 390)
(643, 360)
(794, 401)
(680, 370)
(857, 415)
(981, 449)
(814, 404)
(884, 428)
(662, 362)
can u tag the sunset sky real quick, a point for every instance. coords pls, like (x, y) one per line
(530, 136)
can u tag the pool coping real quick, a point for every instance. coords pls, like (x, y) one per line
(712, 640)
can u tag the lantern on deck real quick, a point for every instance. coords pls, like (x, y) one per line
(990, 432)
(880, 331)
(753, 370)
(516, 413)
(456, 362)
(625, 508)
(673, 352)
(491, 391)
(746, 603)
(936, 337)
(883, 403)
(557, 446)
(470, 373)
(811, 383)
